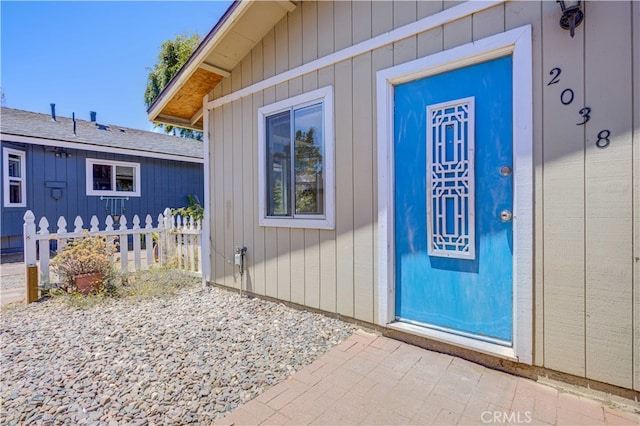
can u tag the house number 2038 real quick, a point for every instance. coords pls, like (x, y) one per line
(566, 98)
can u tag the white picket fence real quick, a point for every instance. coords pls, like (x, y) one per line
(179, 240)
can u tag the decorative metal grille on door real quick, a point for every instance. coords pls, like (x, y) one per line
(450, 179)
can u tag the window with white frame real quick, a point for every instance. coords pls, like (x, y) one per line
(14, 178)
(296, 173)
(105, 177)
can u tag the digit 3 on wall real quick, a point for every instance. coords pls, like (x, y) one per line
(566, 98)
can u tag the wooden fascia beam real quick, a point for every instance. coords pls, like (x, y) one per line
(196, 116)
(215, 70)
(287, 5)
(177, 122)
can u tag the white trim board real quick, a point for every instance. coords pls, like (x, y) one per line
(8, 138)
(448, 15)
(206, 228)
(516, 42)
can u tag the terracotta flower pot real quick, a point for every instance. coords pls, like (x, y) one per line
(87, 283)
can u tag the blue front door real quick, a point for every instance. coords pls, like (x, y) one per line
(453, 201)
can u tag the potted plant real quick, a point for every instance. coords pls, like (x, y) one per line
(83, 264)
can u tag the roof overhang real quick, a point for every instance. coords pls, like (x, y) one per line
(31, 140)
(243, 25)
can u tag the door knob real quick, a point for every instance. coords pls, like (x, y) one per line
(506, 215)
(505, 170)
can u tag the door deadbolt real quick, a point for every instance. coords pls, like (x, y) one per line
(505, 170)
(506, 215)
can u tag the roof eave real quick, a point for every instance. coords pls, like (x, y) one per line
(194, 81)
(180, 122)
(233, 13)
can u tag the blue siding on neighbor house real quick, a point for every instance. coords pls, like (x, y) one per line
(164, 183)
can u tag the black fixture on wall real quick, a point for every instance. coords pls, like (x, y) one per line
(572, 15)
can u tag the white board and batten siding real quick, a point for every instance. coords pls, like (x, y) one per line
(586, 307)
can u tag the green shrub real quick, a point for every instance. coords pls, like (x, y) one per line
(193, 208)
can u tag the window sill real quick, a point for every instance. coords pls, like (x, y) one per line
(298, 223)
(113, 194)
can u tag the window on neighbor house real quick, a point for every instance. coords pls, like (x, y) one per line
(296, 161)
(15, 190)
(112, 178)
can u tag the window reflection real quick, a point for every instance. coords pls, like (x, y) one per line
(308, 160)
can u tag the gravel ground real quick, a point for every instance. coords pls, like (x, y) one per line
(186, 359)
(11, 282)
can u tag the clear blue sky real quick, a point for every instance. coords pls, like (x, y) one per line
(91, 56)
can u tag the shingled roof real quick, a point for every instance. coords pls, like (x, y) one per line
(26, 124)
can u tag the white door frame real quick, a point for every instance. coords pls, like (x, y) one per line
(516, 42)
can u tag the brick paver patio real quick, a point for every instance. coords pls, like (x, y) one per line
(374, 380)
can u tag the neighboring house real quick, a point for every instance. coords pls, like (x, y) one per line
(58, 167)
(474, 177)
